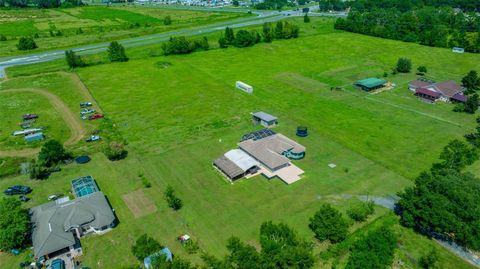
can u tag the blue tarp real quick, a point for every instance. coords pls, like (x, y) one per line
(165, 252)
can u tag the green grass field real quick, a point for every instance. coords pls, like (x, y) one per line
(177, 120)
(98, 24)
(14, 105)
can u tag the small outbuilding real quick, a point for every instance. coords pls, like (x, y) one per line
(147, 262)
(34, 137)
(244, 87)
(370, 84)
(264, 119)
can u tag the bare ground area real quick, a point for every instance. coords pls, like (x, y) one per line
(139, 204)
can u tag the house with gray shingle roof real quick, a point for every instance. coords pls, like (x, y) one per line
(58, 225)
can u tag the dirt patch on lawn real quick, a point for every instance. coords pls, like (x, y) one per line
(300, 82)
(139, 204)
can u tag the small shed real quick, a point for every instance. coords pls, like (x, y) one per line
(147, 262)
(370, 84)
(34, 137)
(458, 50)
(244, 87)
(264, 119)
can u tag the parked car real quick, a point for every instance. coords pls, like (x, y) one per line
(29, 116)
(96, 116)
(54, 197)
(17, 189)
(92, 138)
(23, 198)
(87, 111)
(85, 104)
(83, 117)
(57, 264)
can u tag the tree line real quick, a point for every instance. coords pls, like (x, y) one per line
(444, 201)
(40, 3)
(402, 5)
(436, 27)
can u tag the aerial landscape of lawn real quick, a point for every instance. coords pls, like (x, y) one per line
(180, 112)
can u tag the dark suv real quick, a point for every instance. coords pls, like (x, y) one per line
(17, 189)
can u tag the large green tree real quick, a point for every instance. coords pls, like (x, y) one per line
(73, 60)
(51, 153)
(116, 52)
(374, 250)
(145, 246)
(243, 39)
(26, 43)
(457, 155)
(446, 203)
(14, 224)
(329, 224)
(280, 248)
(471, 81)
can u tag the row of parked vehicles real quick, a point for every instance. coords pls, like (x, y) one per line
(86, 111)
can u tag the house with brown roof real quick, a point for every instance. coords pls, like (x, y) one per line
(446, 91)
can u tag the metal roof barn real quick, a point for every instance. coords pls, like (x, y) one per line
(369, 84)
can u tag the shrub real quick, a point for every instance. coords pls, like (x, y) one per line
(222, 42)
(115, 151)
(26, 43)
(167, 20)
(306, 19)
(360, 211)
(422, 69)
(3, 38)
(404, 65)
(173, 201)
(191, 246)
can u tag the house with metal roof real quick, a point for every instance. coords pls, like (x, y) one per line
(58, 225)
(370, 84)
(264, 119)
(236, 164)
(275, 153)
(447, 91)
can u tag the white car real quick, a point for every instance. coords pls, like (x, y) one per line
(93, 138)
(87, 111)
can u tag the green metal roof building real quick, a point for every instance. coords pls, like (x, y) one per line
(370, 84)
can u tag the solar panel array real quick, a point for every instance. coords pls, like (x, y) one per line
(258, 134)
(84, 186)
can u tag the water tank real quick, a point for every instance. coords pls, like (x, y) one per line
(302, 131)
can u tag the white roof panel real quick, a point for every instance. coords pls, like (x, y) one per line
(241, 159)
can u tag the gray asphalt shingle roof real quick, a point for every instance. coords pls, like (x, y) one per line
(52, 222)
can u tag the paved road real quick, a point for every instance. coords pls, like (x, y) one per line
(150, 39)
